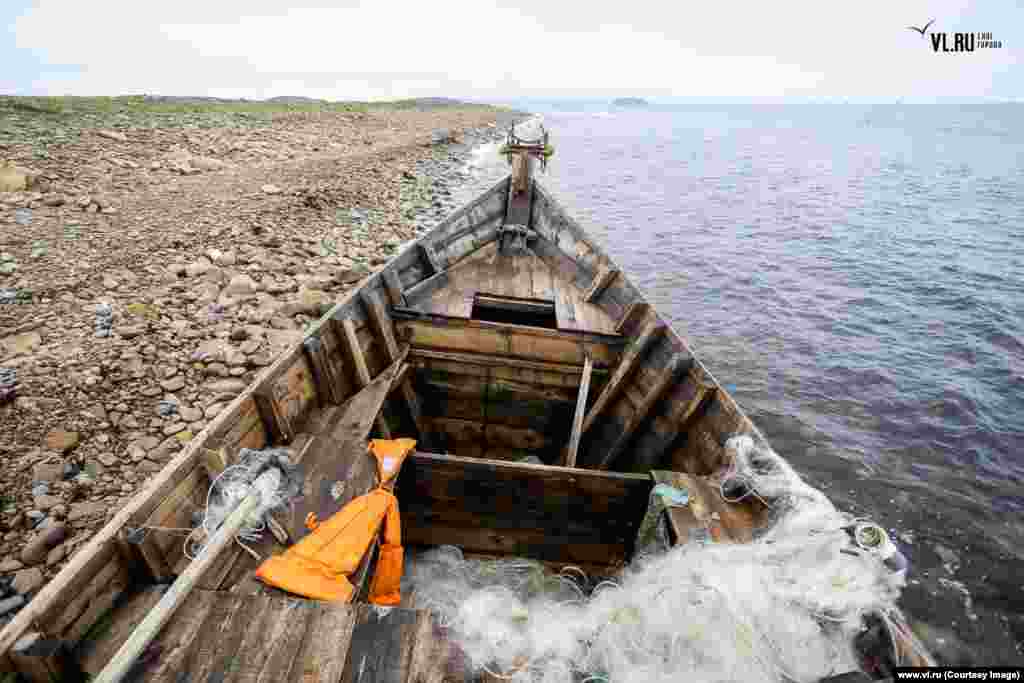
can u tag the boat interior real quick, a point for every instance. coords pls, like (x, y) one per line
(546, 398)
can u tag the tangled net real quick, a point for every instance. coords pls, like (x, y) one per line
(785, 607)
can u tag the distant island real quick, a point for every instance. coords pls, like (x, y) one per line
(630, 102)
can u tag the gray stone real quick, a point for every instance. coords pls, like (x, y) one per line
(48, 470)
(55, 555)
(190, 414)
(213, 410)
(174, 428)
(113, 135)
(97, 411)
(132, 331)
(199, 267)
(11, 604)
(34, 517)
(28, 581)
(36, 549)
(232, 386)
(250, 346)
(147, 443)
(10, 565)
(84, 510)
(165, 450)
(46, 502)
(175, 383)
(216, 369)
(240, 286)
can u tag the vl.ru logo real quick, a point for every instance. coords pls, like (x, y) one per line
(957, 42)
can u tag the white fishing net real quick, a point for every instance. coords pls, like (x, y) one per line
(785, 607)
(235, 483)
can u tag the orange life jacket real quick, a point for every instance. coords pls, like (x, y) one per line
(319, 565)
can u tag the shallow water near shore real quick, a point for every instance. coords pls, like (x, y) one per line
(854, 275)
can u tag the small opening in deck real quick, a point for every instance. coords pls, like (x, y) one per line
(503, 309)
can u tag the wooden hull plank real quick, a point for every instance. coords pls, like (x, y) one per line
(337, 467)
(623, 371)
(553, 513)
(381, 646)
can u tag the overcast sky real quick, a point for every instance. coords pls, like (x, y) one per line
(484, 50)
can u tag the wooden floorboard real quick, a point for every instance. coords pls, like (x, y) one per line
(228, 638)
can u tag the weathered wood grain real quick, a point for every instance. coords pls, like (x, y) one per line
(556, 513)
(336, 466)
(632, 317)
(516, 341)
(381, 647)
(577, 420)
(630, 359)
(650, 399)
(602, 279)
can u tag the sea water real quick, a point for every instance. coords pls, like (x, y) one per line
(854, 274)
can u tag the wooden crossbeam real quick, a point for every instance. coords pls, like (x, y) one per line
(355, 352)
(320, 354)
(622, 373)
(702, 395)
(653, 395)
(577, 420)
(601, 281)
(381, 321)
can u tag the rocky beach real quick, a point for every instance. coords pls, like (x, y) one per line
(154, 257)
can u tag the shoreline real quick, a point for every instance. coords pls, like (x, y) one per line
(152, 273)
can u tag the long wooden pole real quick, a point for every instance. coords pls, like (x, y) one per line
(150, 626)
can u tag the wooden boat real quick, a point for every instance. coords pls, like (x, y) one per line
(547, 398)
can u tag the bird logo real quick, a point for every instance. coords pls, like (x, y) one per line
(922, 29)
